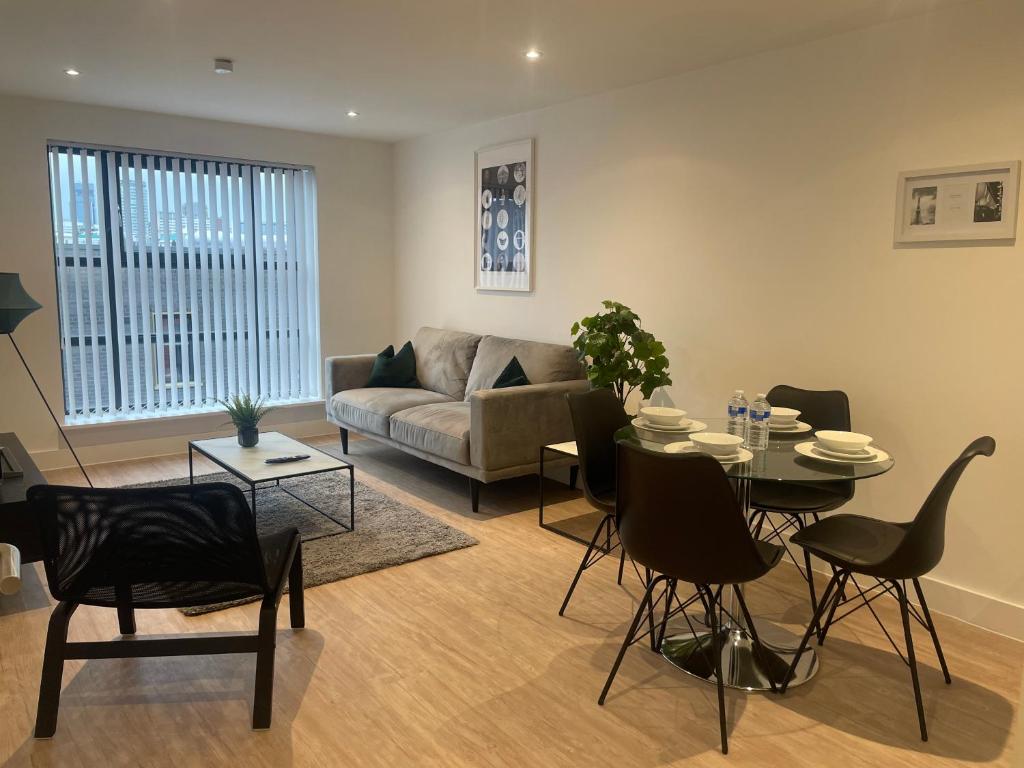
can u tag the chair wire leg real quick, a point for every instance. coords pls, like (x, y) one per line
(810, 630)
(669, 597)
(708, 598)
(645, 606)
(649, 578)
(622, 561)
(931, 630)
(583, 564)
(53, 670)
(905, 613)
(837, 598)
(762, 657)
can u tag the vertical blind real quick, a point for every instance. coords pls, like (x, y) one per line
(182, 281)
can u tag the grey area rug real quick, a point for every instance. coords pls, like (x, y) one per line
(387, 532)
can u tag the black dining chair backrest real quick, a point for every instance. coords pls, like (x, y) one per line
(679, 516)
(596, 416)
(822, 409)
(159, 547)
(922, 547)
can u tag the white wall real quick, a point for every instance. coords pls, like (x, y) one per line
(354, 180)
(737, 208)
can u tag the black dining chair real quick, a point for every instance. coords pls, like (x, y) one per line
(169, 547)
(892, 554)
(679, 518)
(596, 416)
(800, 503)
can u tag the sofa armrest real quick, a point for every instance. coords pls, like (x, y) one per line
(508, 426)
(346, 372)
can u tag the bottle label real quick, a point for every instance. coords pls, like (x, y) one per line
(737, 411)
(759, 415)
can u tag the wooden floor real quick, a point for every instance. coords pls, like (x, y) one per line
(461, 659)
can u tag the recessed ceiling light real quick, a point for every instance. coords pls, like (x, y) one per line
(223, 66)
(533, 54)
(72, 72)
(352, 113)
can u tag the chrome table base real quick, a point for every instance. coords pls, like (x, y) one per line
(741, 667)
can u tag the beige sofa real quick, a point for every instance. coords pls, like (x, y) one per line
(456, 420)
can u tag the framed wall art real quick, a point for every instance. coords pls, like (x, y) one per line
(967, 202)
(503, 193)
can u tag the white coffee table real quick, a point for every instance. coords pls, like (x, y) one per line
(249, 465)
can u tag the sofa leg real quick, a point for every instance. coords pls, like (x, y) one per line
(344, 440)
(574, 473)
(474, 492)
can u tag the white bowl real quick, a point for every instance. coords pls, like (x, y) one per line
(717, 443)
(782, 415)
(844, 442)
(663, 417)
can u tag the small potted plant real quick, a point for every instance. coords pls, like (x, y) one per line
(619, 353)
(245, 414)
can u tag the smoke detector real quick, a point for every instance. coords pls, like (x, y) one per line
(223, 66)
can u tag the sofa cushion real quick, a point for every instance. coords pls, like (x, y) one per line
(369, 409)
(391, 370)
(441, 429)
(542, 363)
(443, 360)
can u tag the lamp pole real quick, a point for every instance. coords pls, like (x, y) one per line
(48, 408)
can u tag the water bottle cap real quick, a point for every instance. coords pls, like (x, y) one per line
(762, 396)
(738, 392)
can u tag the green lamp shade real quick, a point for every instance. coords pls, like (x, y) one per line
(15, 303)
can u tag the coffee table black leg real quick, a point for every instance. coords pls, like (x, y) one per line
(190, 476)
(540, 505)
(352, 497)
(252, 491)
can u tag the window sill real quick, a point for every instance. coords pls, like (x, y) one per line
(181, 418)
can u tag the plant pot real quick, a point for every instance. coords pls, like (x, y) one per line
(248, 436)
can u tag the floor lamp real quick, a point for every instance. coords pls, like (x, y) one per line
(15, 306)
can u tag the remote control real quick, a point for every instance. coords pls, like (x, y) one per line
(286, 459)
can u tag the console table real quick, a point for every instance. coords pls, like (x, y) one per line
(16, 524)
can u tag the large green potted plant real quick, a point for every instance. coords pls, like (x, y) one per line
(618, 353)
(245, 414)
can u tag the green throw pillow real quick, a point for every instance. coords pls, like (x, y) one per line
(512, 376)
(394, 370)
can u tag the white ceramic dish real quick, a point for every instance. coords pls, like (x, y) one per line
(717, 443)
(810, 451)
(836, 440)
(864, 453)
(794, 428)
(662, 417)
(688, 425)
(737, 457)
(782, 415)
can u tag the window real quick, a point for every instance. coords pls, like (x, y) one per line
(182, 281)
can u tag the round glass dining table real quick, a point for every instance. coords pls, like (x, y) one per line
(779, 462)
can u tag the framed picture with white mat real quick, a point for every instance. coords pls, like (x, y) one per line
(960, 203)
(503, 196)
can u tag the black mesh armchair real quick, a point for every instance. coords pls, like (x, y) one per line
(679, 518)
(891, 554)
(596, 417)
(800, 503)
(169, 547)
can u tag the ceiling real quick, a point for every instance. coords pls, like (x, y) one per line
(408, 66)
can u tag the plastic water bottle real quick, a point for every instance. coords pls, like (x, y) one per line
(738, 415)
(757, 432)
